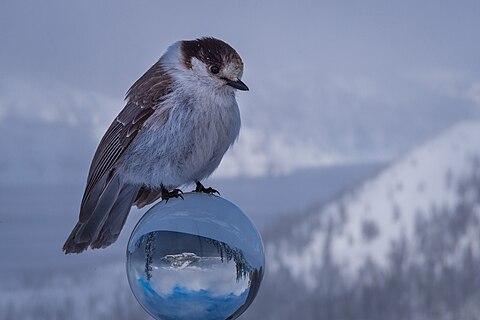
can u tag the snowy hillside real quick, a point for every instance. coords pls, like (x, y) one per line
(416, 224)
(385, 209)
(99, 293)
(402, 245)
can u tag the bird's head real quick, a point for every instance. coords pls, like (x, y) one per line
(211, 62)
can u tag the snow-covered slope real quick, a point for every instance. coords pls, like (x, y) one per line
(96, 294)
(365, 224)
(404, 244)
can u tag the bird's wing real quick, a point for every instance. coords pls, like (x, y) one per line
(143, 98)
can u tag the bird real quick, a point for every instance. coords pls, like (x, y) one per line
(179, 119)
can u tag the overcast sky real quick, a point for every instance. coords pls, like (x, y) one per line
(104, 45)
(348, 79)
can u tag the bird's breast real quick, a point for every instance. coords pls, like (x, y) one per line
(187, 146)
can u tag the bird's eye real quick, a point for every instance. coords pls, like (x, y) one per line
(214, 69)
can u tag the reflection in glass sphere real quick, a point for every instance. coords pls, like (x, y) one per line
(198, 258)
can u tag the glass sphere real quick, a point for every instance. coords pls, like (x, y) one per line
(197, 258)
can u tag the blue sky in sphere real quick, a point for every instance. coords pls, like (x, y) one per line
(202, 304)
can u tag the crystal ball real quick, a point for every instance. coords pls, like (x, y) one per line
(199, 257)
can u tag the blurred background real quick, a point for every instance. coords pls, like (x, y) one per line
(358, 159)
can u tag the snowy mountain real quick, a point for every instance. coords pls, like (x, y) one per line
(403, 245)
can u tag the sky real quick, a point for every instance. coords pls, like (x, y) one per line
(331, 81)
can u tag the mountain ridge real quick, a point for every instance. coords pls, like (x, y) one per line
(402, 245)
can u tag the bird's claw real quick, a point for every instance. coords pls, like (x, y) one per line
(210, 190)
(175, 193)
(201, 188)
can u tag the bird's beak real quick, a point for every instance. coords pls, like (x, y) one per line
(238, 84)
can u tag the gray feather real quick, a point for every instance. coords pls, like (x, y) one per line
(91, 202)
(146, 196)
(90, 229)
(116, 218)
(87, 231)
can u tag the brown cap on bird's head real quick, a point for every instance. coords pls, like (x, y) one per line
(210, 51)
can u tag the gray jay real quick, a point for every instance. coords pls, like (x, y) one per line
(180, 118)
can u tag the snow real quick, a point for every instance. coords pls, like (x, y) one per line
(421, 180)
(97, 295)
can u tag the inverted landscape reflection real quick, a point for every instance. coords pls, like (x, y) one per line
(180, 275)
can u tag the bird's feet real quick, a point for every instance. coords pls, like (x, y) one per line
(175, 193)
(201, 188)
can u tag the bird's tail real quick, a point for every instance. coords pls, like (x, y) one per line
(107, 211)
